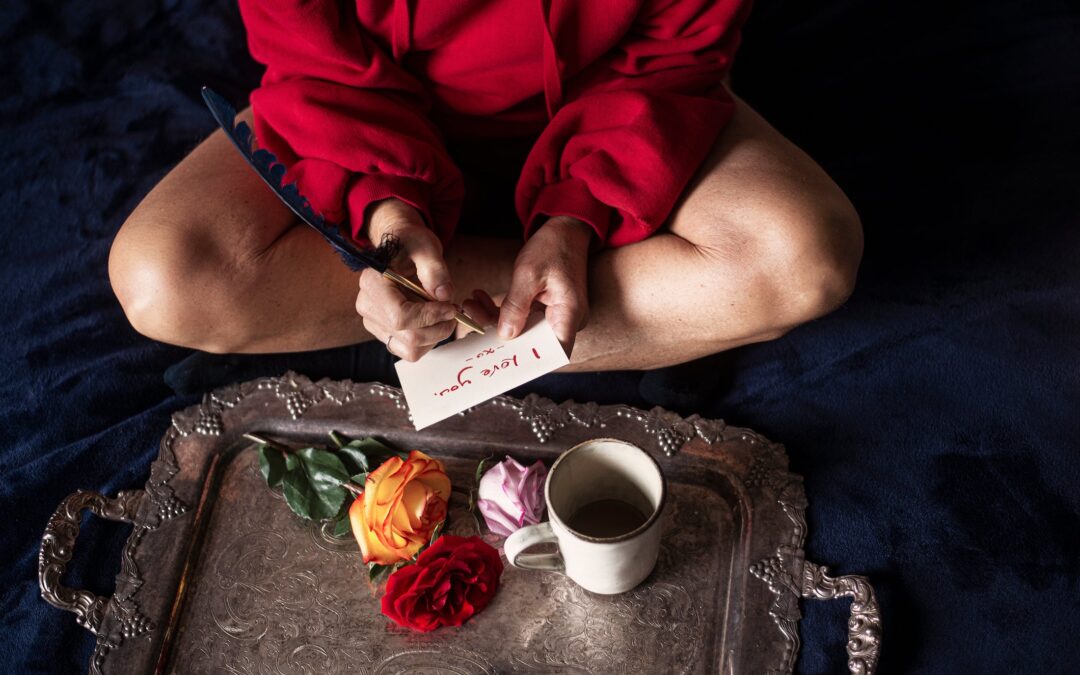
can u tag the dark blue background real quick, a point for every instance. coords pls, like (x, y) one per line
(935, 417)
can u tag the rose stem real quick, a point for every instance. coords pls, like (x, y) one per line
(264, 441)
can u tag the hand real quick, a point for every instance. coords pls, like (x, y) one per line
(552, 270)
(411, 326)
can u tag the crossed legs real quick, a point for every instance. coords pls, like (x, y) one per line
(761, 241)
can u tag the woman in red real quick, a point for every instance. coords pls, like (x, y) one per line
(654, 203)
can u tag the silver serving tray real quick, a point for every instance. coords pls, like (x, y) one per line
(219, 576)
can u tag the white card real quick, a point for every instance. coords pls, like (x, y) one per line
(469, 371)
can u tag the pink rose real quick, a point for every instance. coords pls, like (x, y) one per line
(511, 496)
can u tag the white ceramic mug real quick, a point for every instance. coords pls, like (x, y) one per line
(599, 469)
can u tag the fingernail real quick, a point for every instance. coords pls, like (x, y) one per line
(506, 330)
(444, 292)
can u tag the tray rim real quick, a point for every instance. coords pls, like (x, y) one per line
(766, 480)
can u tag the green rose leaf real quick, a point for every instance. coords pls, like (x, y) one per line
(308, 502)
(342, 528)
(376, 570)
(364, 455)
(313, 488)
(272, 463)
(436, 532)
(343, 512)
(480, 466)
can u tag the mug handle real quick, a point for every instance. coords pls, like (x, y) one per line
(527, 537)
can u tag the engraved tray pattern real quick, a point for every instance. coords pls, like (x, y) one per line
(219, 576)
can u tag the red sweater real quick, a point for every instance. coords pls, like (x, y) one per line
(625, 96)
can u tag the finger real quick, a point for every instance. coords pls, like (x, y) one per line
(424, 250)
(376, 295)
(426, 337)
(565, 318)
(486, 301)
(480, 314)
(409, 351)
(484, 311)
(382, 334)
(515, 309)
(410, 345)
(414, 315)
(382, 301)
(377, 330)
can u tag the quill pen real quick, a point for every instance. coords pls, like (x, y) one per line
(273, 172)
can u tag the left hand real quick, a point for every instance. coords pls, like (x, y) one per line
(552, 270)
(389, 314)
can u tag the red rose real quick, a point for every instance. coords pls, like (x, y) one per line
(453, 579)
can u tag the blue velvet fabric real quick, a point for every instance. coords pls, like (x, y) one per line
(935, 417)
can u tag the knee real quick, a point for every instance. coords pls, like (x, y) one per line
(149, 281)
(803, 260)
(164, 281)
(812, 259)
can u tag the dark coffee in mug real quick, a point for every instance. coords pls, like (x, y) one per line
(606, 518)
(605, 498)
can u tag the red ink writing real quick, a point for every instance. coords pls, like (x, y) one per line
(461, 382)
(486, 352)
(504, 364)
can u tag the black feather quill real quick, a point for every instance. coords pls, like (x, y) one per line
(272, 171)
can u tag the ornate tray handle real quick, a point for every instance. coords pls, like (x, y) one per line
(864, 626)
(58, 543)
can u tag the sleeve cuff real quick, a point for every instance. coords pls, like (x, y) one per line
(370, 188)
(570, 197)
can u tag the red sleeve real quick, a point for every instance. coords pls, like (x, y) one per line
(347, 120)
(636, 124)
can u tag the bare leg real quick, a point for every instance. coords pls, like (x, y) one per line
(211, 259)
(761, 241)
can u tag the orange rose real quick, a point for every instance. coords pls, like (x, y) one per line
(403, 501)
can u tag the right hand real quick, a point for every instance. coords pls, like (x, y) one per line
(414, 325)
